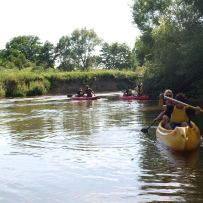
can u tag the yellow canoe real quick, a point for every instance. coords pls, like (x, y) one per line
(181, 138)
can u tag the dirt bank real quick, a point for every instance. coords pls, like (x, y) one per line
(71, 87)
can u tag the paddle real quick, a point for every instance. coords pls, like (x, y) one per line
(69, 95)
(145, 130)
(183, 103)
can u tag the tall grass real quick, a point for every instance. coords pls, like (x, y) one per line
(21, 83)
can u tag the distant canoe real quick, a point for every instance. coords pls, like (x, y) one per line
(181, 138)
(143, 97)
(84, 98)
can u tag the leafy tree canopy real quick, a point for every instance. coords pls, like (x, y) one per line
(77, 51)
(116, 55)
(171, 44)
(27, 45)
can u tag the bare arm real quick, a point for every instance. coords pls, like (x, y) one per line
(159, 117)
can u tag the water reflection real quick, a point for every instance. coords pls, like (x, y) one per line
(169, 176)
(54, 149)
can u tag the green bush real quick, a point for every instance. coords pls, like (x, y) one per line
(2, 91)
(20, 90)
(36, 88)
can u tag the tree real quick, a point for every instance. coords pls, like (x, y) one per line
(78, 50)
(173, 48)
(116, 55)
(63, 54)
(144, 47)
(148, 13)
(197, 5)
(29, 46)
(11, 58)
(24, 49)
(46, 56)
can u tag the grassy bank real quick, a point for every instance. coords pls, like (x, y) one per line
(22, 83)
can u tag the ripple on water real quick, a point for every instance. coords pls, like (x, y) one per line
(53, 149)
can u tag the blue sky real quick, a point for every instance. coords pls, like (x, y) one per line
(52, 19)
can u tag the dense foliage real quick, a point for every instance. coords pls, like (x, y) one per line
(171, 45)
(82, 50)
(77, 51)
(117, 56)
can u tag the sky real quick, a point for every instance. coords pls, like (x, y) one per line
(52, 19)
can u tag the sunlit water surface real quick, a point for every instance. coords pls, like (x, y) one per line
(55, 150)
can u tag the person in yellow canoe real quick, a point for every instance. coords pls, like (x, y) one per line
(164, 104)
(178, 114)
(128, 92)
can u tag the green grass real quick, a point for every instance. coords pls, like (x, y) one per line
(21, 83)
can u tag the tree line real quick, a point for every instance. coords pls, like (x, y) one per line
(171, 44)
(82, 50)
(168, 53)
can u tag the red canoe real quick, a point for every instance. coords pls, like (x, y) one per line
(84, 98)
(143, 97)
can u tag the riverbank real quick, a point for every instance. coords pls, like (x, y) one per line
(22, 83)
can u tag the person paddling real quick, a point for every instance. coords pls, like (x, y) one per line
(128, 92)
(165, 104)
(139, 89)
(88, 91)
(80, 92)
(179, 114)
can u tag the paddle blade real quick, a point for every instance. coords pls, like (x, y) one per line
(69, 95)
(144, 130)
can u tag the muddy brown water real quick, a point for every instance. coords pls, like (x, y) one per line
(55, 150)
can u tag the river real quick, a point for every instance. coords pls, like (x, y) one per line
(55, 150)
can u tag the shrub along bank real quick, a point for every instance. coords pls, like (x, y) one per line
(22, 83)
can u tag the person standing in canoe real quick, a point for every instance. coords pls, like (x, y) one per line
(88, 91)
(179, 114)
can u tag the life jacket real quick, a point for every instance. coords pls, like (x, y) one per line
(179, 115)
(88, 92)
(80, 93)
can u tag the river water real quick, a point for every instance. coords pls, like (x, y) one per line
(55, 150)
